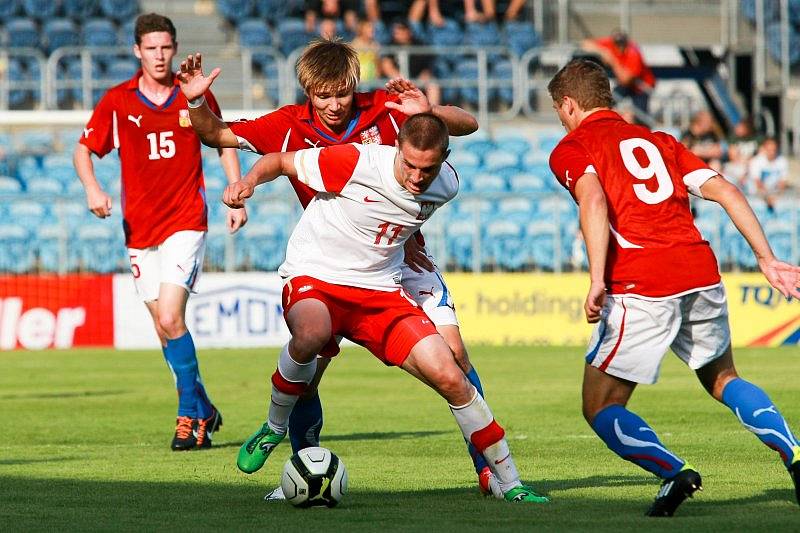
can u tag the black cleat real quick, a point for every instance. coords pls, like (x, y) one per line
(184, 438)
(794, 471)
(206, 428)
(674, 491)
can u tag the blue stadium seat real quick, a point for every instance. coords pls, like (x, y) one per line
(709, 229)
(126, 35)
(516, 144)
(548, 141)
(775, 42)
(505, 244)
(236, 10)
(481, 34)
(9, 185)
(459, 158)
(293, 35)
(37, 141)
(536, 158)
(383, 35)
(60, 32)
(22, 33)
(449, 34)
(541, 240)
(44, 185)
(122, 69)
(475, 207)
(40, 9)
(254, 33)
(28, 167)
(16, 74)
(488, 183)
(74, 72)
(520, 36)
(275, 10)
(527, 182)
(9, 8)
(479, 146)
(517, 208)
(467, 71)
(16, 253)
(99, 32)
(503, 71)
(771, 10)
(51, 239)
(119, 10)
(461, 235)
(99, 247)
(263, 244)
(499, 158)
(782, 236)
(80, 9)
(28, 213)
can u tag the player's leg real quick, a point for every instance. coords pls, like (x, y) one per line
(754, 410)
(430, 292)
(305, 422)
(626, 348)
(432, 362)
(310, 324)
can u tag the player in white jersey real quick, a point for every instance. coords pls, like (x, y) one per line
(343, 277)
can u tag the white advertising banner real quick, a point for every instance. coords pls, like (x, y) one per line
(229, 310)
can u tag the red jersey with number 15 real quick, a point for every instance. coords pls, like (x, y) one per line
(655, 250)
(162, 174)
(296, 127)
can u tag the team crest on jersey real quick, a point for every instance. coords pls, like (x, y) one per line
(183, 118)
(426, 209)
(371, 136)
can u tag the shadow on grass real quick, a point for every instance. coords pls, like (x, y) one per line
(60, 395)
(38, 460)
(45, 504)
(346, 437)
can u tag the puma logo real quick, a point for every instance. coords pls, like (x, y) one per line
(568, 179)
(429, 293)
(136, 120)
(312, 144)
(87, 131)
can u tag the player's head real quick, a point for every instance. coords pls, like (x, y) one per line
(155, 45)
(328, 71)
(422, 147)
(578, 89)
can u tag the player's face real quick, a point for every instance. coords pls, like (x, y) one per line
(333, 107)
(156, 52)
(416, 169)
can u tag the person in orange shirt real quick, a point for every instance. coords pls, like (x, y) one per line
(622, 56)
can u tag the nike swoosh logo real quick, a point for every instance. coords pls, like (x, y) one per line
(369, 201)
(497, 462)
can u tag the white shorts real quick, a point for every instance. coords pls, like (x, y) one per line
(178, 260)
(430, 292)
(633, 334)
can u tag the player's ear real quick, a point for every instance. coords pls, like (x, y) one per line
(137, 52)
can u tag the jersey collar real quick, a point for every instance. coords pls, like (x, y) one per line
(133, 85)
(603, 114)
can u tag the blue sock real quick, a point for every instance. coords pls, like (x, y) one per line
(756, 412)
(181, 358)
(477, 457)
(204, 408)
(631, 438)
(305, 423)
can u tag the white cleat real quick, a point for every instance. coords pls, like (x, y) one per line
(275, 494)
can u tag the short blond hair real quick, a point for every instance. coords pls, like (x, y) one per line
(328, 65)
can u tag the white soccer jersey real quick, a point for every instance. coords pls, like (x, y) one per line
(352, 232)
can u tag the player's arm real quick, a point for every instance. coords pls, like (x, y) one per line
(97, 200)
(209, 127)
(593, 213)
(266, 169)
(782, 276)
(236, 217)
(414, 101)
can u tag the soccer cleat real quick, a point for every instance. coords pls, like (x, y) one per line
(206, 428)
(794, 471)
(275, 494)
(523, 493)
(254, 452)
(674, 490)
(488, 484)
(184, 438)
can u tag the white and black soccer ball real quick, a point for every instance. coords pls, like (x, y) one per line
(314, 477)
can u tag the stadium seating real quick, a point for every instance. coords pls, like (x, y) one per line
(40, 9)
(235, 10)
(99, 32)
(293, 35)
(119, 10)
(60, 32)
(9, 8)
(22, 33)
(80, 9)
(520, 36)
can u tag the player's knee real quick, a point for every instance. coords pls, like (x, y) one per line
(452, 384)
(308, 340)
(171, 324)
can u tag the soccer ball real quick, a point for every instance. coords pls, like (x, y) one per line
(314, 477)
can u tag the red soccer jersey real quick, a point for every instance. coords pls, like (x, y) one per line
(631, 58)
(162, 174)
(295, 127)
(655, 250)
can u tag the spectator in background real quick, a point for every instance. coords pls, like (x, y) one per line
(622, 56)
(741, 147)
(703, 138)
(346, 10)
(767, 173)
(368, 50)
(327, 28)
(420, 67)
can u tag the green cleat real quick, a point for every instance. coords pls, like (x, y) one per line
(524, 493)
(255, 451)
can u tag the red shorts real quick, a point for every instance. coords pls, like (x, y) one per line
(388, 324)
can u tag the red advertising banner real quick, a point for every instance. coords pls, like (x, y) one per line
(52, 311)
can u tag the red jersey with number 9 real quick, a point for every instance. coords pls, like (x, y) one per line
(655, 250)
(162, 174)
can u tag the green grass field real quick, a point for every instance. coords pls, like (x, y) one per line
(86, 435)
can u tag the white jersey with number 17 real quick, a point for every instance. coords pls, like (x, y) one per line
(352, 233)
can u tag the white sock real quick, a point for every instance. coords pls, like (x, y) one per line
(288, 382)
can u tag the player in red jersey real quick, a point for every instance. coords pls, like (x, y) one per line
(335, 114)
(343, 272)
(164, 208)
(654, 280)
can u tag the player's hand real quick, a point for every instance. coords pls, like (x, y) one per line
(595, 301)
(236, 193)
(412, 99)
(99, 202)
(782, 276)
(235, 219)
(415, 256)
(193, 82)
